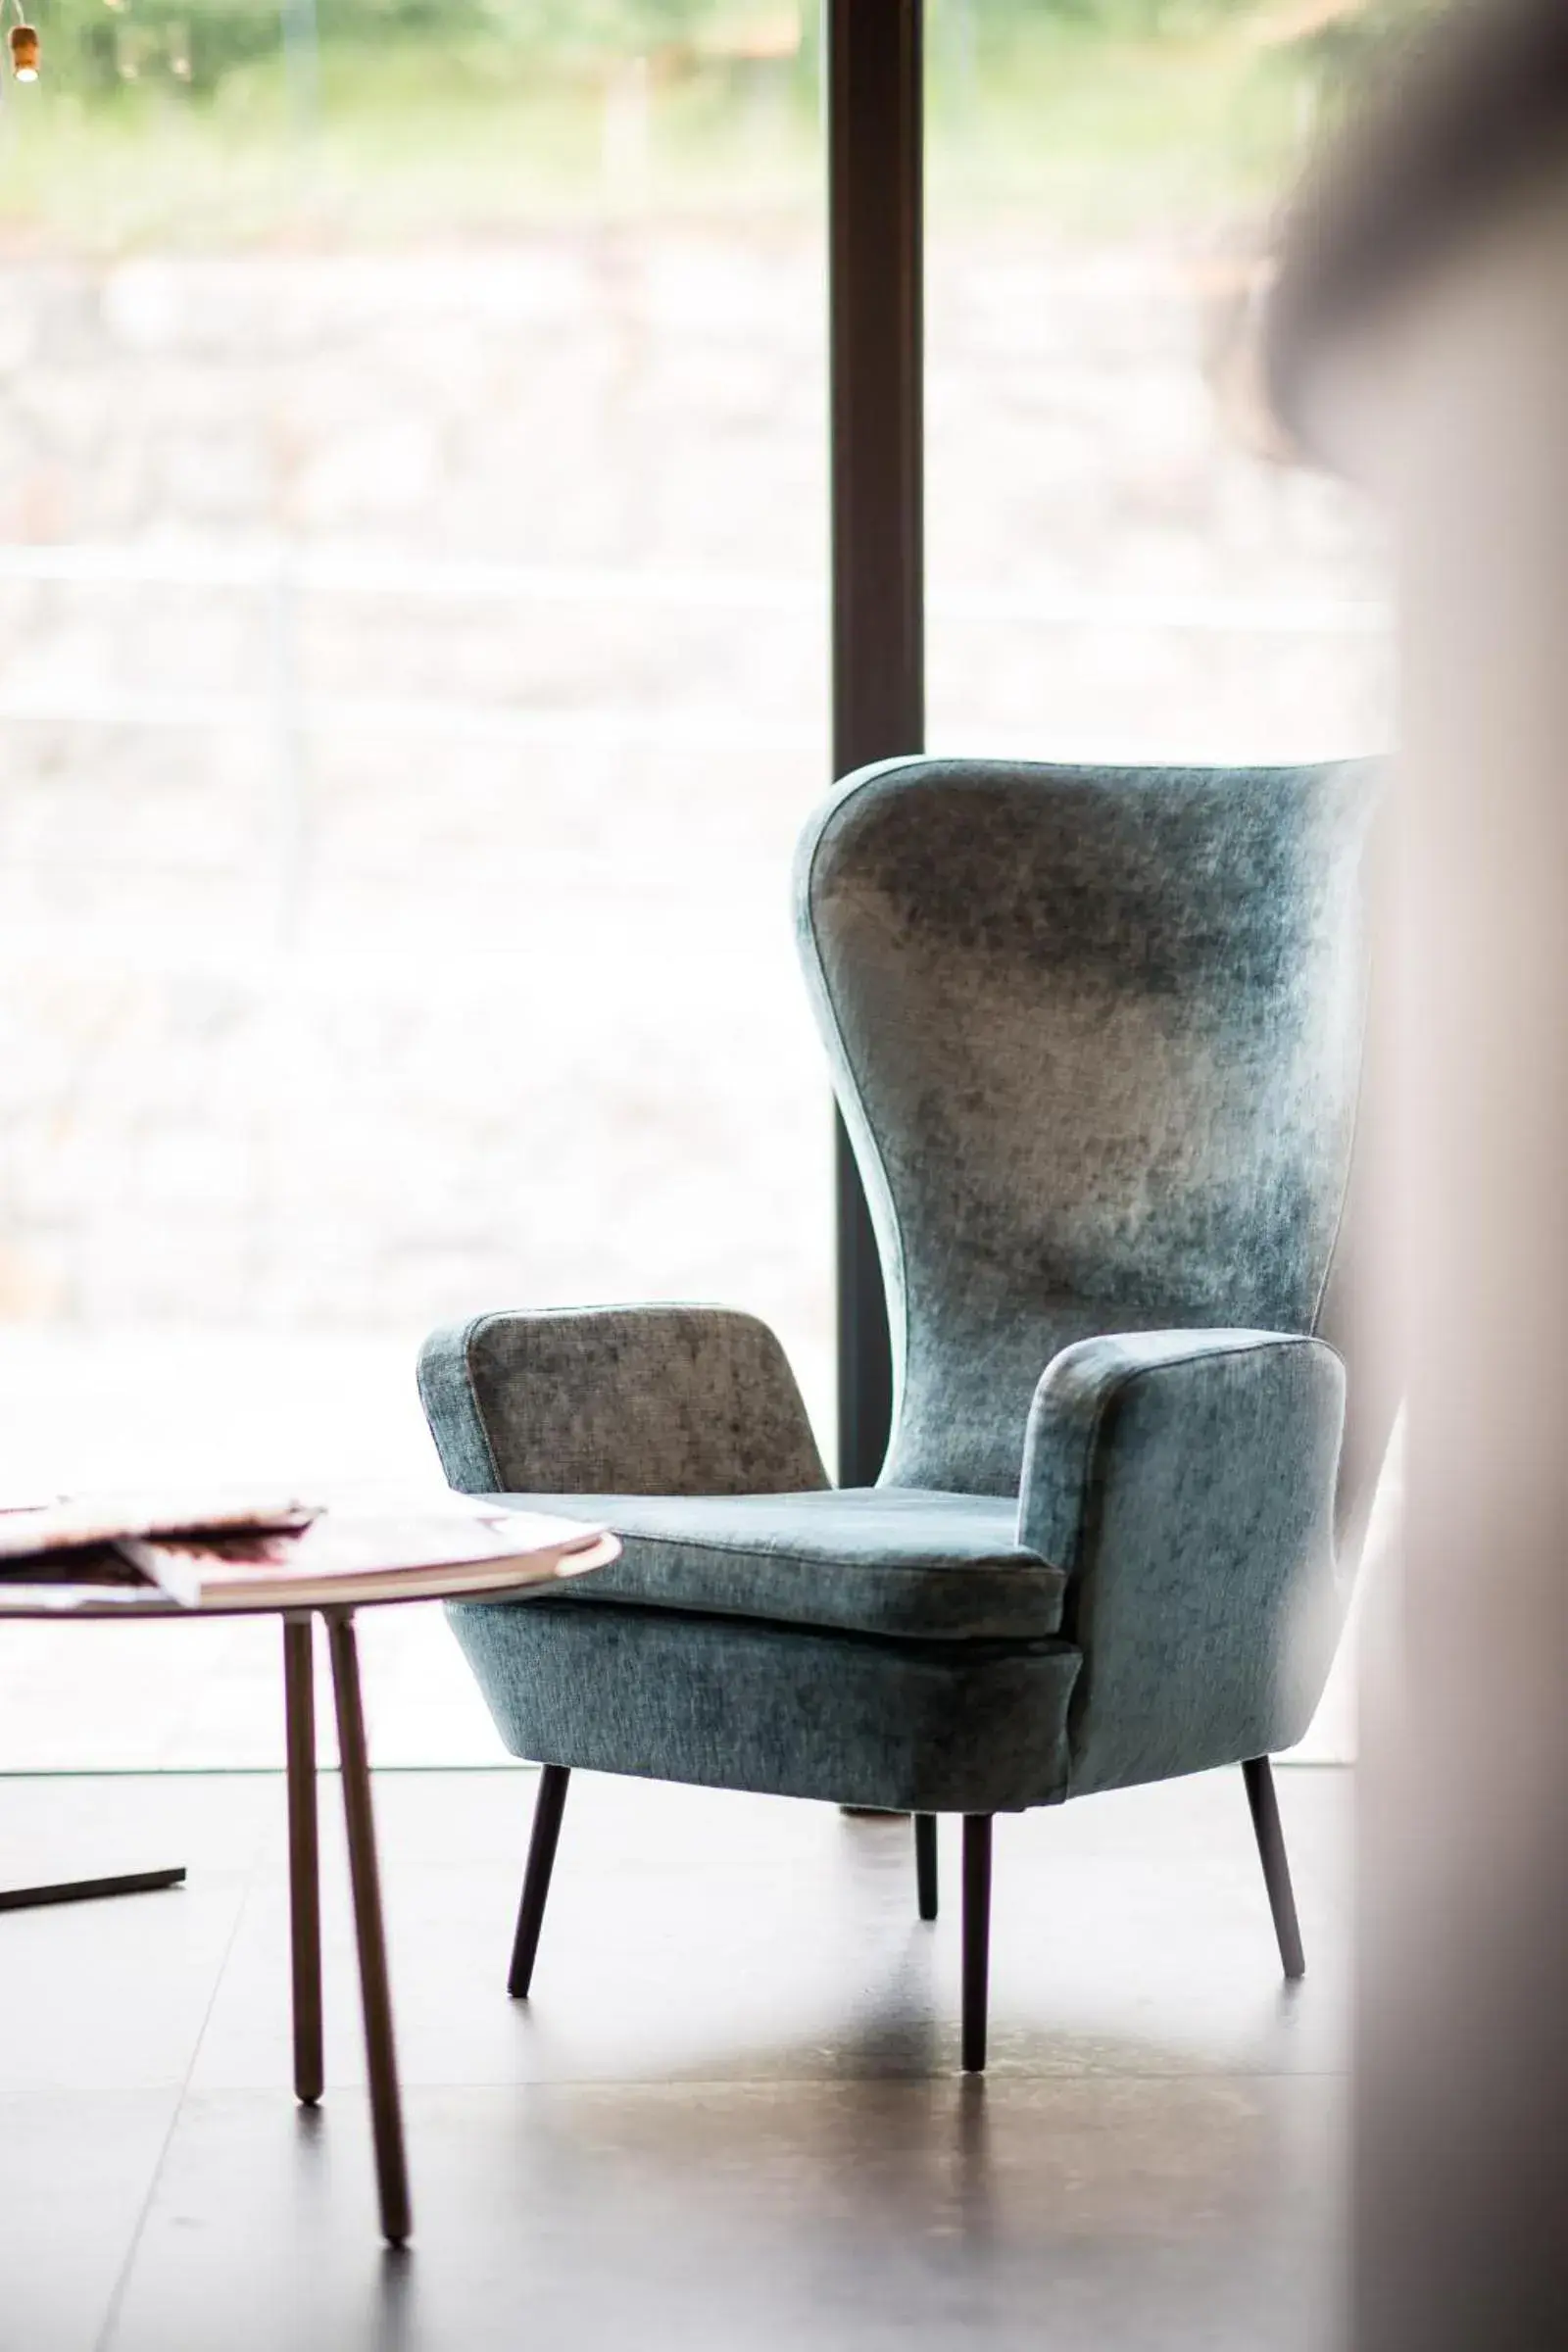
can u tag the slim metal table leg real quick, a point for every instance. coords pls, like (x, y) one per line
(386, 2115)
(304, 1858)
(88, 1890)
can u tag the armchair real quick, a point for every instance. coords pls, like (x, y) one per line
(1096, 1035)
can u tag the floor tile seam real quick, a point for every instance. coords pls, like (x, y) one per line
(116, 2295)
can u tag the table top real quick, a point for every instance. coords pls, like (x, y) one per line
(398, 1554)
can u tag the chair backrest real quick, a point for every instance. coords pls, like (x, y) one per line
(1097, 1036)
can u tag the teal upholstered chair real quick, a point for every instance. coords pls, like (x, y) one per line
(1097, 1034)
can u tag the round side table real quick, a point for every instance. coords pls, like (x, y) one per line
(491, 1581)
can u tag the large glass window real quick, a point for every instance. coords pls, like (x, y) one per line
(411, 557)
(1123, 557)
(414, 673)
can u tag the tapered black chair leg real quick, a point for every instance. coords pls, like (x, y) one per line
(925, 1863)
(1261, 1795)
(976, 1938)
(547, 1812)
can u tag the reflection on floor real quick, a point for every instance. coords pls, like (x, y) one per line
(730, 2114)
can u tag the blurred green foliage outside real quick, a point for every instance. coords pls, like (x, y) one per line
(216, 120)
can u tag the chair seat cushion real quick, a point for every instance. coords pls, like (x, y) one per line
(888, 1560)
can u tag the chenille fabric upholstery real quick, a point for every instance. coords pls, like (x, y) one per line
(1184, 1482)
(1097, 1034)
(681, 1400)
(868, 1559)
(733, 1703)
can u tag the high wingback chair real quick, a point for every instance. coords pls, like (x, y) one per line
(1097, 1034)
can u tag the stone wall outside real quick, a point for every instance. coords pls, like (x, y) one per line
(394, 882)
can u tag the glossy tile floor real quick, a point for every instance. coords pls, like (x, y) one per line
(731, 2116)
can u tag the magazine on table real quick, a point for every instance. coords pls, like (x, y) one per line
(226, 1552)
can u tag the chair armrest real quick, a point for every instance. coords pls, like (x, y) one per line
(616, 1399)
(1184, 1482)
